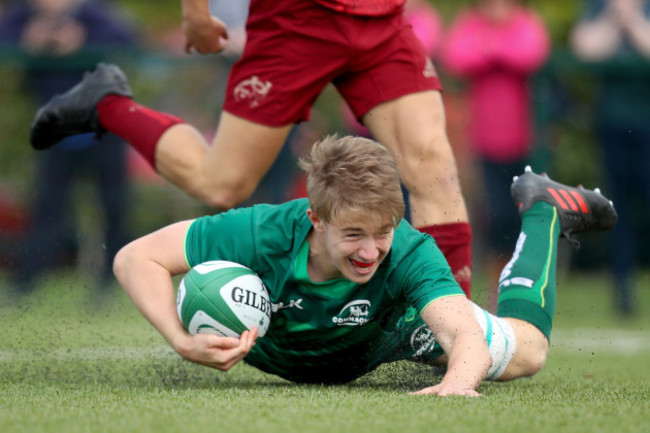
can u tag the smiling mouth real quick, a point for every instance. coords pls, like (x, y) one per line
(361, 265)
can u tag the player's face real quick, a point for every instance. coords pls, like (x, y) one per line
(357, 245)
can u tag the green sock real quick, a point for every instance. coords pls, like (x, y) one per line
(527, 283)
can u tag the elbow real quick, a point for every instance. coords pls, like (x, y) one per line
(534, 363)
(531, 361)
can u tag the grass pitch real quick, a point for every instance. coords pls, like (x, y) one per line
(73, 359)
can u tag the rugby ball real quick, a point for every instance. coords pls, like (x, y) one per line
(223, 298)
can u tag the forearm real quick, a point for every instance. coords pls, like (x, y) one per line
(469, 362)
(149, 286)
(453, 323)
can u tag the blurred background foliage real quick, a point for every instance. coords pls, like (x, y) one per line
(165, 78)
(559, 14)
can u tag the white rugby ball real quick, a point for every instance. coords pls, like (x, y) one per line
(223, 298)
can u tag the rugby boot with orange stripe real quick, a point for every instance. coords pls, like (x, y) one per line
(75, 111)
(579, 209)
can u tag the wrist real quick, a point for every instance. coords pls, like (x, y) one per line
(195, 10)
(459, 382)
(181, 343)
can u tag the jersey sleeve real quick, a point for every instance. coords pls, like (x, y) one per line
(262, 237)
(424, 273)
(225, 236)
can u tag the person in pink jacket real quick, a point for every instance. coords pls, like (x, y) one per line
(496, 46)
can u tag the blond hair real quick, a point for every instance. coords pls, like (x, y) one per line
(353, 174)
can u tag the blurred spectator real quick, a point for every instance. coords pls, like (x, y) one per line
(51, 33)
(616, 33)
(496, 46)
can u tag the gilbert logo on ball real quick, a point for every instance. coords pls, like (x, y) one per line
(223, 298)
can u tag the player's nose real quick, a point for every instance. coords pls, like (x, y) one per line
(369, 250)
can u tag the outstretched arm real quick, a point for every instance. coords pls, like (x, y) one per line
(454, 326)
(144, 269)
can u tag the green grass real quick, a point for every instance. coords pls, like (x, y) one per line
(73, 359)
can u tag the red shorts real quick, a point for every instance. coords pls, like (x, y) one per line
(296, 47)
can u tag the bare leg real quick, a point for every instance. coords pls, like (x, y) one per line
(226, 173)
(413, 129)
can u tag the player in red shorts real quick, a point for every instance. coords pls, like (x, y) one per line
(294, 49)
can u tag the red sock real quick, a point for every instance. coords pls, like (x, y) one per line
(138, 125)
(455, 242)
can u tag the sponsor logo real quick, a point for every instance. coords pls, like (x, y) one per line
(429, 71)
(410, 315)
(355, 313)
(422, 340)
(253, 90)
(251, 299)
(294, 303)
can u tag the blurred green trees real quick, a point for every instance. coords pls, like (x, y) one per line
(185, 85)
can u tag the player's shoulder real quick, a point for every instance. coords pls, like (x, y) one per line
(292, 208)
(406, 231)
(280, 226)
(408, 241)
(268, 217)
(283, 213)
(287, 206)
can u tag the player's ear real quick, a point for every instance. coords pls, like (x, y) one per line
(316, 222)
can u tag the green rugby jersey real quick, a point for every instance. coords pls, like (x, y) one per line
(321, 332)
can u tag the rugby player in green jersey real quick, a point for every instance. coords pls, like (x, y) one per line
(354, 286)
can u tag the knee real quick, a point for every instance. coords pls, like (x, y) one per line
(120, 262)
(227, 196)
(430, 156)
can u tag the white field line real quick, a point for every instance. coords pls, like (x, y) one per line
(586, 340)
(90, 353)
(621, 342)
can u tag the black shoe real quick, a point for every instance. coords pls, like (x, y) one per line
(75, 111)
(579, 209)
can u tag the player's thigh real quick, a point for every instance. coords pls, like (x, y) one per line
(413, 129)
(242, 152)
(411, 126)
(389, 63)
